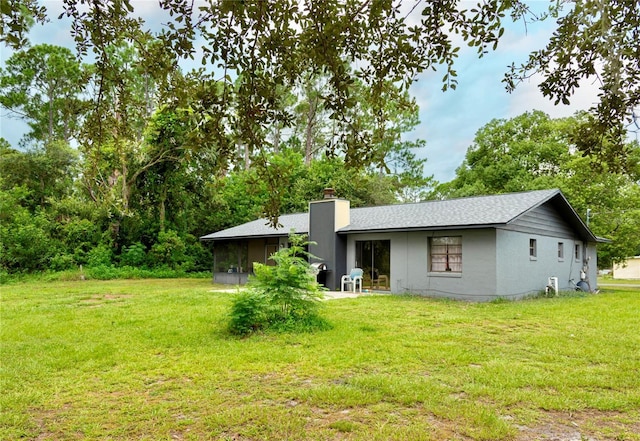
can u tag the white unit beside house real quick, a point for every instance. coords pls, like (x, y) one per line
(476, 248)
(630, 269)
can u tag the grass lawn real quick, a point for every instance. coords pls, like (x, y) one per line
(610, 281)
(150, 359)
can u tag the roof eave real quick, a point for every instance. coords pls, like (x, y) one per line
(421, 228)
(246, 237)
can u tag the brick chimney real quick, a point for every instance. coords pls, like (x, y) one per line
(329, 193)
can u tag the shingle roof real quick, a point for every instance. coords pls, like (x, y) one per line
(261, 228)
(463, 212)
(479, 211)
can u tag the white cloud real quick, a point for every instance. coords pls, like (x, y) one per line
(450, 120)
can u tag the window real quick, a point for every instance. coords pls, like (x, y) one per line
(230, 257)
(576, 253)
(560, 251)
(269, 250)
(533, 248)
(446, 254)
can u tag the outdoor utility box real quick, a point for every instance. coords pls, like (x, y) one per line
(321, 271)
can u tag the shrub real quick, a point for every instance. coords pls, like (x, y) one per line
(79, 237)
(281, 297)
(25, 244)
(248, 313)
(169, 250)
(134, 255)
(200, 255)
(61, 262)
(100, 256)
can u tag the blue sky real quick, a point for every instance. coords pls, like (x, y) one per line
(449, 120)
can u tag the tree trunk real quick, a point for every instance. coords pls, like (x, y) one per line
(276, 140)
(247, 159)
(51, 98)
(162, 209)
(311, 121)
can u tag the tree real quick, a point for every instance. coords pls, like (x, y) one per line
(312, 117)
(533, 151)
(46, 173)
(597, 40)
(125, 95)
(43, 86)
(513, 155)
(273, 46)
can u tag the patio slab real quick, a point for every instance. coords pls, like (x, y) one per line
(328, 295)
(334, 295)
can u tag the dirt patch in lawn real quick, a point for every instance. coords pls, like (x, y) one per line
(99, 299)
(586, 425)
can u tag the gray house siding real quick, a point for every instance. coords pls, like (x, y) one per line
(530, 275)
(544, 220)
(410, 264)
(495, 231)
(495, 264)
(520, 274)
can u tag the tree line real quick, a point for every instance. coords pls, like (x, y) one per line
(128, 159)
(69, 199)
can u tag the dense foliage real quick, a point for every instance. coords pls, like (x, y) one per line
(129, 159)
(254, 54)
(140, 194)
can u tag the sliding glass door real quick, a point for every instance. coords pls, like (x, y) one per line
(373, 256)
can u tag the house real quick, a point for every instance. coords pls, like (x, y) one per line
(476, 248)
(627, 270)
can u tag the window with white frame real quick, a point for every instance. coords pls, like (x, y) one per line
(445, 254)
(577, 252)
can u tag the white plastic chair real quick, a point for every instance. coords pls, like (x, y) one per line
(353, 280)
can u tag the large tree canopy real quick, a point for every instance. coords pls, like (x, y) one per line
(324, 79)
(275, 44)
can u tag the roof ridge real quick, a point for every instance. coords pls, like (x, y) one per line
(462, 198)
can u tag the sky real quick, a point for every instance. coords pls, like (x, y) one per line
(448, 120)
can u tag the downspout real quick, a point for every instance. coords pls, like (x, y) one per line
(584, 271)
(238, 269)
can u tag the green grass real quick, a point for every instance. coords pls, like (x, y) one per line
(150, 359)
(608, 280)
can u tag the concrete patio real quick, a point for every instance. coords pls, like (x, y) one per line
(328, 295)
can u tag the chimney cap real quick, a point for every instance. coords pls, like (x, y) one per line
(329, 193)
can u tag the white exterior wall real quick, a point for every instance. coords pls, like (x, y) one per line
(628, 270)
(520, 275)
